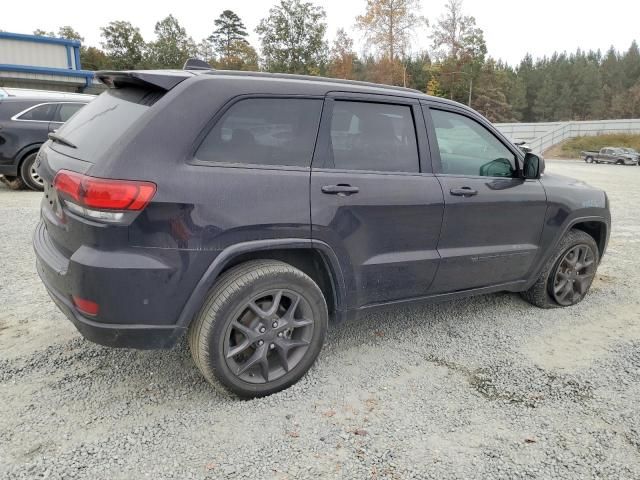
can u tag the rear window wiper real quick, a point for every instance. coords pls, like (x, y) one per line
(57, 138)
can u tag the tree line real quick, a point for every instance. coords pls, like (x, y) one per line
(565, 86)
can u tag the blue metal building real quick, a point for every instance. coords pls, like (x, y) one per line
(32, 61)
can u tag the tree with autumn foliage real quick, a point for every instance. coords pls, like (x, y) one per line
(342, 56)
(388, 26)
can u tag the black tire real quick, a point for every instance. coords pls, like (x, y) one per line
(211, 333)
(14, 183)
(28, 174)
(541, 293)
(589, 159)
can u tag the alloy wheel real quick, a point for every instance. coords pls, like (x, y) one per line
(33, 173)
(574, 274)
(269, 336)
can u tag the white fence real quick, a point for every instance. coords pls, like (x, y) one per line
(543, 136)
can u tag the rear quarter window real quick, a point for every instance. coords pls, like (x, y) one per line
(40, 113)
(264, 131)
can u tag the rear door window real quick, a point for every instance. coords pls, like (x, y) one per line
(373, 136)
(40, 113)
(264, 131)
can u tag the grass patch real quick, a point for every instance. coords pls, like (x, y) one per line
(571, 148)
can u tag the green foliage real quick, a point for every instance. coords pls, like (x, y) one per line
(565, 86)
(92, 58)
(229, 36)
(43, 33)
(292, 38)
(172, 46)
(572, 147)
(242, 56)
(124, 45)
(70, 33)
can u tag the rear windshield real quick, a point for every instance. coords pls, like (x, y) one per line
(102, 122)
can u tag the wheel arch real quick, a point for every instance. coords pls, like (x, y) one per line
(597, 229)
(314, 258)
(25, 152)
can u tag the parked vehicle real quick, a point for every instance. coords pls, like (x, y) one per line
(633, 153)
(246, 209)
(26, 118)
(524, 146)
(610, 155)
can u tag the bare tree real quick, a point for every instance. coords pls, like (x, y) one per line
(456, 36)
(388, 25)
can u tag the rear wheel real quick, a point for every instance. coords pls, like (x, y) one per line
(261, 328)
(589, 159)
(567, 276)
(620, 162)
(29, 175)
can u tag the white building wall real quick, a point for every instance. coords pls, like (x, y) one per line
(37, 54)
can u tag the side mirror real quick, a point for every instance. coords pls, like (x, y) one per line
(533, 166)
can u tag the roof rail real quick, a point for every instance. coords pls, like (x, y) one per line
(312, 78)
(196, 64)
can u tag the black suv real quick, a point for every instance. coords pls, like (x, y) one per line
(26, 118)
(246, 209)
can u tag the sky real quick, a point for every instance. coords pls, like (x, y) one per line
(512, 28)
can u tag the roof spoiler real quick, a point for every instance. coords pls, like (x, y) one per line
(151, 79)
(196, 64)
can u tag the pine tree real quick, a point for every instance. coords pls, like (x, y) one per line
(229, 36)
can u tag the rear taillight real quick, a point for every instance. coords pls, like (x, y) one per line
(87, 307)
(102, 198)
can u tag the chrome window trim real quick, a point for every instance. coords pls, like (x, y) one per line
(16, 117)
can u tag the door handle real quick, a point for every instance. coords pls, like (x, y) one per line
(463, 192)
(341, 189)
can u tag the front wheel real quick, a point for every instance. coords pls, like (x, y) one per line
(29, 175)
(261, 328)
(567, 276)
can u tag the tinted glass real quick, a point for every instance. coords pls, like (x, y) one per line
(102, 122)
(66, 110)
(43, 113)
(265, 131)
(468, 148)
(373, 136)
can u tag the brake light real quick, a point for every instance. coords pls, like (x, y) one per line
(85, 306)
(104, 193)
(98, 198)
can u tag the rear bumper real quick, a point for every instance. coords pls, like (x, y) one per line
(52, 269)
(142, 337)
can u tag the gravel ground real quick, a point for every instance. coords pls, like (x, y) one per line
(488, 387)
